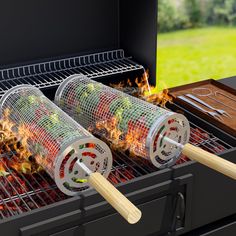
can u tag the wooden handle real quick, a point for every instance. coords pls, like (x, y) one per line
(127, 209)
(214, 162)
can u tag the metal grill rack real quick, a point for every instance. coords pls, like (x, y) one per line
(21, 193)
(201, 138)
(40, 190)
(52, 73)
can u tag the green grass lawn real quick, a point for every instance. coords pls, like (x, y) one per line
(192, 55)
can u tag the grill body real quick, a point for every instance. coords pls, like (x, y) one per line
(43, 43)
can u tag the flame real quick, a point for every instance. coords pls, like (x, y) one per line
(14, 144)
(133, 140)
(129, 82)
(143, 90)
(160, 98)
(120, 85)
(113, 134)
(3, 171)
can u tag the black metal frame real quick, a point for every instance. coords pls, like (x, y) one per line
(171, 199)
(213, 193)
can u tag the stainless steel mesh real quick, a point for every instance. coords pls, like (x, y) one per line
(55, 139)
(126, 122)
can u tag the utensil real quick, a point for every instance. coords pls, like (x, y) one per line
(134, 125)
(213, 114)
(221, 112)
(206, 92)
(224, 95)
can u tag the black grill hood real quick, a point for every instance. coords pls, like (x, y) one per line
(37, 30)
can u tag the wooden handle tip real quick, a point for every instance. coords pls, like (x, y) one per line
(134, 216)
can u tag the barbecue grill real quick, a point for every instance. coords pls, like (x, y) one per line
(106, 40)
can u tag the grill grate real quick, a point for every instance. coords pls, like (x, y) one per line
(52, 73)
(42, 189)
(21, 193)
(201, 138)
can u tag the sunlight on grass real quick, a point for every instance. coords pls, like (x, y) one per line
(197, 54)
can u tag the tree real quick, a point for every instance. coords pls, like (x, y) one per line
(225, 12)
(193, 9)
(169, 17)
(181, 14)
(166, 13)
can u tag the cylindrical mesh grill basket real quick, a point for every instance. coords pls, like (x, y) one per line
(55, 139)
(126, 122)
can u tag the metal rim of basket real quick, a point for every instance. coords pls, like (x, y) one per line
(11, 90)
(105, 161)
(163, 154)
(60, 88)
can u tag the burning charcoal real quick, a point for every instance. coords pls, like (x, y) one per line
(30, 204)
(128, 173)
(18, 144)
(113, 179)
(182, 159)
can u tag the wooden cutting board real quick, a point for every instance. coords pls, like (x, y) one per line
(228, 124)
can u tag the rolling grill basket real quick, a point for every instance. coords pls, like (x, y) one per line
(70, 154)
(127, 122)
(132, 124)
(55, 139)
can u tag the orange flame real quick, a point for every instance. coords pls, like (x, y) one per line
(145, 91)
(14, 142)
(143, 85)
(2, 168)
(133, 140)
